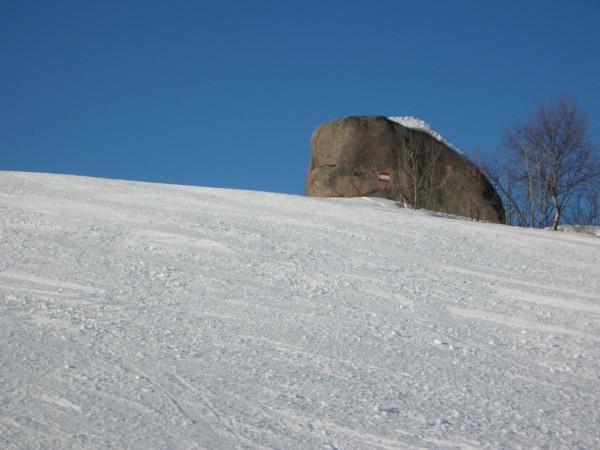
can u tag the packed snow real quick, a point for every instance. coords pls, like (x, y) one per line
(148, 316)
(417, 124)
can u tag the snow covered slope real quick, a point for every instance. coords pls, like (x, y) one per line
(140, 315)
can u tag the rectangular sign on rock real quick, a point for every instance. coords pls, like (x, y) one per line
(384, 177)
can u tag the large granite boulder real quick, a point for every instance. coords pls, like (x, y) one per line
(374, 156)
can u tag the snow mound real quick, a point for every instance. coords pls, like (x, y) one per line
(418, 124)
(586, 229)
(137, 315)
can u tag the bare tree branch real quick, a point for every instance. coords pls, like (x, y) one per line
(548, 164)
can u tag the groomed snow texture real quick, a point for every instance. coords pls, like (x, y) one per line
(146, 316)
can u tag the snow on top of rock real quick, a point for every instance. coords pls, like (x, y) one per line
(417, 124)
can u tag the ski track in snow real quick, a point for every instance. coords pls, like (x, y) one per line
(139, 315)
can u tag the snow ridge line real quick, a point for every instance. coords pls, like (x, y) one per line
(417, 124)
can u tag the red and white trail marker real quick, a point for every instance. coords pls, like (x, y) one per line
(384, 177)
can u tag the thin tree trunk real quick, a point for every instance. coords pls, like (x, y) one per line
(556, 213)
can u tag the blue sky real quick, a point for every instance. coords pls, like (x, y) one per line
(227, 93)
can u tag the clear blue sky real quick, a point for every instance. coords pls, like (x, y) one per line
(227, 93)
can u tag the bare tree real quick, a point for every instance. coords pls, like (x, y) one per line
(472, 188)
(585, 209)
(431, 176)
(504, 179)
(406, 163)
(549, 163)
(415, 163)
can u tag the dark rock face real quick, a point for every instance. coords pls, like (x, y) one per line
(348, 155)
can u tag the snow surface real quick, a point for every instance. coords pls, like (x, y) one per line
(418, 124)
(146, 316)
